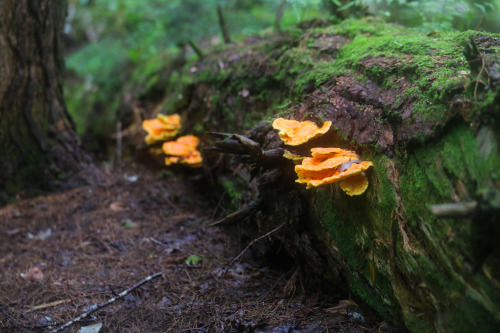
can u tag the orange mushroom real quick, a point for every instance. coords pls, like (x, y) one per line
(161, 128)
(355, 185)
(294, 133)
(183, 151)
(297, 159)
(331, 165)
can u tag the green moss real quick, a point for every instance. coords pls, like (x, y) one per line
(235, 192)
(347, 221)
(370, 233)
(435, 174)
(436, 66)
(356, 27)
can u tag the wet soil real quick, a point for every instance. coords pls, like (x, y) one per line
(62, 253)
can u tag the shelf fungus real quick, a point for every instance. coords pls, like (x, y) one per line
(331, 165)
(183, 151)
(297, 159)
(161, 128)
(294, 133)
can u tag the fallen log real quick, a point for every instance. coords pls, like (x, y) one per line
(425, 110)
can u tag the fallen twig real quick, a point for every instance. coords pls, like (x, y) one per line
(12, 319)
(459, 209)
(263, 297)
(48, 305)
(239, 215)
(97, 307)
(250, 244)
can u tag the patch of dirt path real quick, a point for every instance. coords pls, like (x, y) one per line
(60, 254)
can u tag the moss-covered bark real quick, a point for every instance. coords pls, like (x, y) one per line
(424, 109)
(37, 142)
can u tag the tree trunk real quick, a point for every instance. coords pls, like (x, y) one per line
(39, 146)
(280, 10)
(424, 110)
(223, 26)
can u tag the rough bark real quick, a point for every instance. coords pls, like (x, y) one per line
(425, 110)
(39, 146)
(223, 25)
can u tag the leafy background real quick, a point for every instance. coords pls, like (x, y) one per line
(117, 50)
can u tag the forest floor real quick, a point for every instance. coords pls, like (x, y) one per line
(62, 253)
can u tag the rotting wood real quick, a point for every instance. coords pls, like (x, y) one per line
(424, 110)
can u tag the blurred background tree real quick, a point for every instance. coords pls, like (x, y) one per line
(120, 50)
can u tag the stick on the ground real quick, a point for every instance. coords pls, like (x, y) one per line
(12, 319)
(250, 244)
(102, 305)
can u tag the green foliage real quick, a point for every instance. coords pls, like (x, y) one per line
(119, 48)
(433, 15)
(124, 47)
(193, 260)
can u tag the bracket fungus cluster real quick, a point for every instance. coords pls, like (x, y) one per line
(294, 133)
(183, 151)
(161, 128)
(331, 165)
(327, 165)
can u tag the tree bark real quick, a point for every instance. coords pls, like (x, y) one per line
(39, 146)
(223, 25)
(280, 10)
(425, 110)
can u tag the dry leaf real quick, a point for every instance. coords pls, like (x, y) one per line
(33, 273)
(344, 306)
(117, 206)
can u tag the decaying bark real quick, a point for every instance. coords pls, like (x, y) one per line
(429, 122)
(38, 143)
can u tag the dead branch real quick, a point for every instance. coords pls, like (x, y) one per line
(97, 307)
(13, 320)
(459, 209)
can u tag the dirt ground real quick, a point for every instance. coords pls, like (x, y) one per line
(62, 253)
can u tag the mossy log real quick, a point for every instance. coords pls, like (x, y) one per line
(425, 109)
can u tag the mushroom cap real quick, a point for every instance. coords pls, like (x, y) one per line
(172, 160)
(183, 146)
(317, 164)
(291, 156)
(175, 148)
(189, 140)
(183, 151)
(355, 185)
(161, 128)
(174, 120)
(294, 133)
(315, 178)
(320, 152)
(193, 160)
